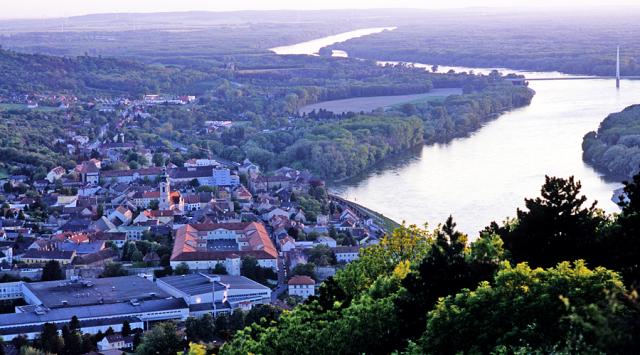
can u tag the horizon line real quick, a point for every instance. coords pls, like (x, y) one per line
(441, 9)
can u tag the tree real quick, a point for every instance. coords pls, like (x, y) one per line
(49, 340)
(200, 329)
(109, 331)
(19, 341)
(136, 256)
(621, 241)
(182, 269)
(443, 271)
(306, 269)
(157, 159)
(220, 269)
(72, 341)
(163, 339)
(52, 271)
(74, 324)
(197, 349)
(126, 328)
(555, 227)
(566, 309)
(236, 321)
(28, 350)
(113, 270)
(262, 314)
(322, 255)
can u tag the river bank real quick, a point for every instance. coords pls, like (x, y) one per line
(486, 176)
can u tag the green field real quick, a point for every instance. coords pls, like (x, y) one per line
(368, 104)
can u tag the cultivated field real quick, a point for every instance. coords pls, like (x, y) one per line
(370, 103)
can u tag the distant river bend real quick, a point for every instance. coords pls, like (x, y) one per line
(485, 177)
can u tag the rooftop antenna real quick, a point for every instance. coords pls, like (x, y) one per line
(618, 68)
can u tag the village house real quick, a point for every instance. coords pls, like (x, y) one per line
(56, 174)
(302, 286)
(115, 342)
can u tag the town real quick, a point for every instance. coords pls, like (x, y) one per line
(109, 242)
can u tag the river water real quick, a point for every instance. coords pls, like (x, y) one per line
(485, 177)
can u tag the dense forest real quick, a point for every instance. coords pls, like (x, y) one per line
(614, 148)
(558, 278)
(28, 73)
(336, 150)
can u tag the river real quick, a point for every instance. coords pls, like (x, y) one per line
(485, 177)
(313, 47)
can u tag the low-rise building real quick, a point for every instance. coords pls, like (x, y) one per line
(302, 286)
(203, 246)
(215, 294)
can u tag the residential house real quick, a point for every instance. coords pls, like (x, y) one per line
(55, 174)
(302, 286)
(115, 342)
(33, 256)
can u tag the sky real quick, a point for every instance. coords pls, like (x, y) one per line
(10, 9)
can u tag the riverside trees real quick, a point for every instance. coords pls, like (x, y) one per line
(420, 291)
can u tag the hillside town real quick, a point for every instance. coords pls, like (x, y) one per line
(146, 243)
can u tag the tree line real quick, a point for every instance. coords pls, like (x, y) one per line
(560, 277)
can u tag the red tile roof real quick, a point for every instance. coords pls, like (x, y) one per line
(301, 280)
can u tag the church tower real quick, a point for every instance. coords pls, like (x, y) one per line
(165, 191)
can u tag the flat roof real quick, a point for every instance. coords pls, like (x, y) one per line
(95, 311)
(94, 291)
(200, 283)
(34, 328)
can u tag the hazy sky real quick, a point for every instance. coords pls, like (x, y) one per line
(57, 8)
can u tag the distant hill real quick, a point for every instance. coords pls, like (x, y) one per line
(26, 73)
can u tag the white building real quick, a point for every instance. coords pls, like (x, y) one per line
(302, 286)
(98, 304)
(215, 294)
(346, 254)
(223, 177)
(115, 342)
(55, 174)
(203, 246)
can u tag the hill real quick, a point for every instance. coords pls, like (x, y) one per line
(27, 73)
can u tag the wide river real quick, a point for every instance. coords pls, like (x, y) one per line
(485, 177)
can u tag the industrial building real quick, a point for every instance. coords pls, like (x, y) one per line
(215, 294)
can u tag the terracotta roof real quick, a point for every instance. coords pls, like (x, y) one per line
(254, 234)
(301, 280)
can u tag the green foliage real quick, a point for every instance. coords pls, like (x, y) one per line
(161, 340)
(306, 269)
(555, 227)
(27, 73)
(113, 270)
(52, 271)
(567, 308)
(335, 150)
(49, 341)
(615, 148)
(182, 269)
(200, 329)
(322, 255)
(250, 268)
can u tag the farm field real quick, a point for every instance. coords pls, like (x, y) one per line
(370, 103)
